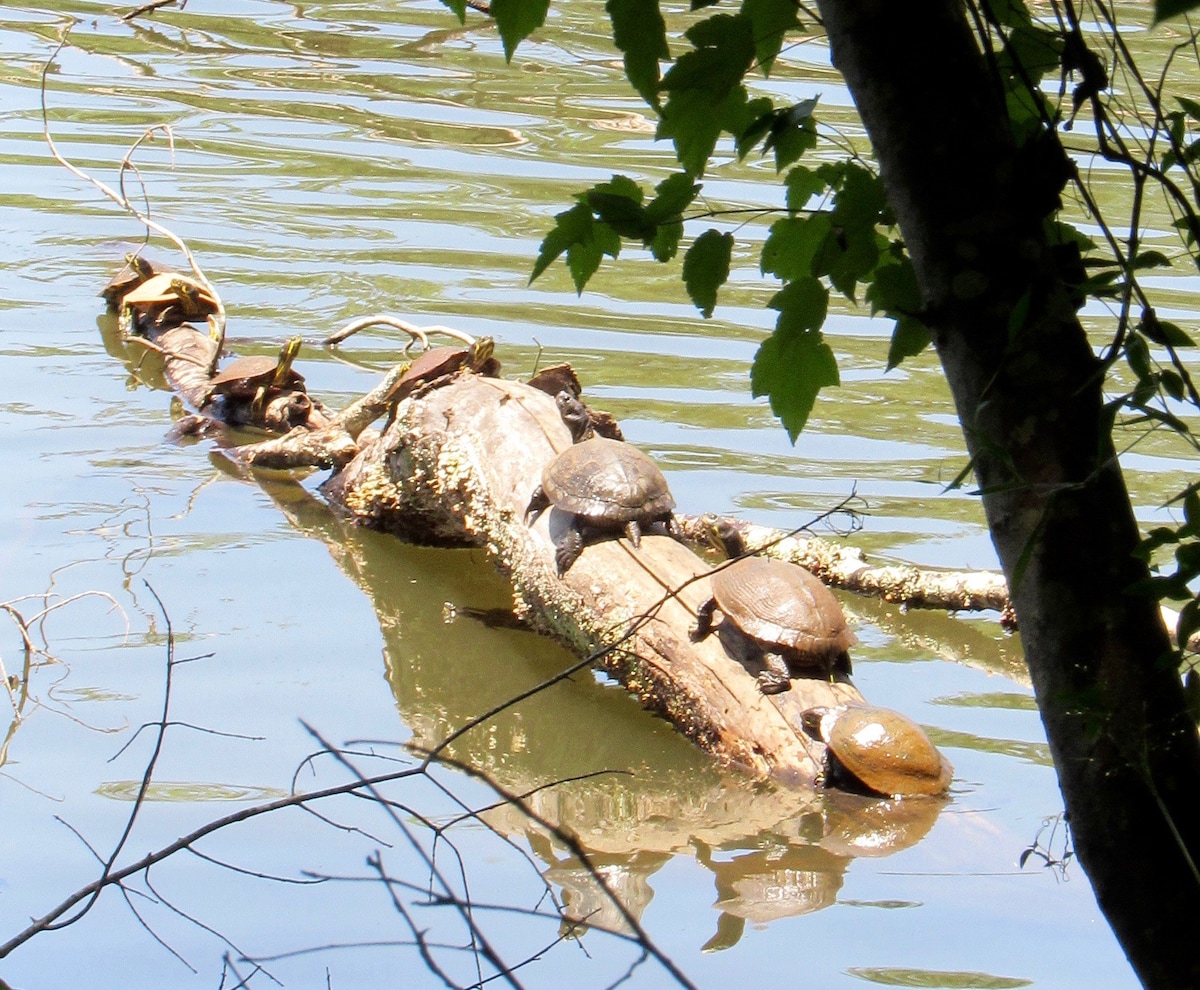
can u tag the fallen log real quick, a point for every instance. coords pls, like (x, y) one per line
(458, 465)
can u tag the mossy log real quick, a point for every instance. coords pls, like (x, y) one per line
(458, 465)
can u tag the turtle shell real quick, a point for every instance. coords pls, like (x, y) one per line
(445, 361)
(607, 481)
(883, 749)
(782, 604)
(242, 377)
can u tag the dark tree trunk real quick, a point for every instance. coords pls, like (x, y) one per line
(971, 211)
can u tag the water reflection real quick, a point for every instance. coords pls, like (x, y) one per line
(589, 763)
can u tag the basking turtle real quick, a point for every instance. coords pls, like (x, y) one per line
(256, 378)
(782, 612)
(442, 361)
(878, 750)
(605, 485)
(135, 271)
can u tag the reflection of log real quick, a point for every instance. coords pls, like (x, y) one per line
(458, 465)
(660, 797)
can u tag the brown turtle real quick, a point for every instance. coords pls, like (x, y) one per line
(257, 377)
(135, 271)
(878, 750)
(605, 485)
(781, 613)
(442, 361)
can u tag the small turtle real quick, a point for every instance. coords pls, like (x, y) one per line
(878, 750)
(135, 271)
(782, 612)
(257, 377)
(606, 485)
(442, 361)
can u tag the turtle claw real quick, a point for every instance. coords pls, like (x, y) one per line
(634, 532)
(568, 551)
(771, 683)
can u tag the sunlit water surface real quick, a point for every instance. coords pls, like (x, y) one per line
(337, 159)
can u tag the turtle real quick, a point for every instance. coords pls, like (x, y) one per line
(605, 485)
(442, 361)
(135, 271)
(877, 750)
(779, 612)
(255, 378)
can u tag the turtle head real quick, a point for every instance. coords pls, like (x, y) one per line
(574, 413)
(812, 720)
(481, 352)
(283, 367)
(723, 535)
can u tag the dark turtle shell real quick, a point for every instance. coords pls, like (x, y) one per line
(243, 377)
(782, 605)
(607, 482)
(882, 749)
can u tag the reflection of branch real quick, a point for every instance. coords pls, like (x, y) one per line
(123, 202)
(444, 886)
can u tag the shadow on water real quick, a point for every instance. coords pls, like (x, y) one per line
(590, 762)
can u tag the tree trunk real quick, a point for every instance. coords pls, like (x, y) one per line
(1030, 401)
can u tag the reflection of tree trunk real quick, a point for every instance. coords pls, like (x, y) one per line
(1127, 753)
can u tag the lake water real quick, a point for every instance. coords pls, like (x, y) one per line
(338, 159)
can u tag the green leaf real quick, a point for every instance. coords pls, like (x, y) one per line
(516, 20)
(802, 306)
(573, 226)
(802, 185)
(894, 290)
(694, 122)
(664, 245)
(770, 20)
(790, 369)
(618, 203)
(705, 88)
(1189, 622)
(1191, 511)
(583, 257)
(909, 338)
(1138, 356)
(793, 133)
(792, 244)
(1191, 106)
(1172, 384)
(671, 197)
(459, 7)
(1171, 8)
(640, 33)
(1151, 259)
(706, 268)
(759, 115)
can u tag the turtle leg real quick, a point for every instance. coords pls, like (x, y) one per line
(569, 549)
(537, 505)
(775, 678)
(842, 665)
(674, 530)
(634, 532)
(704, 621)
